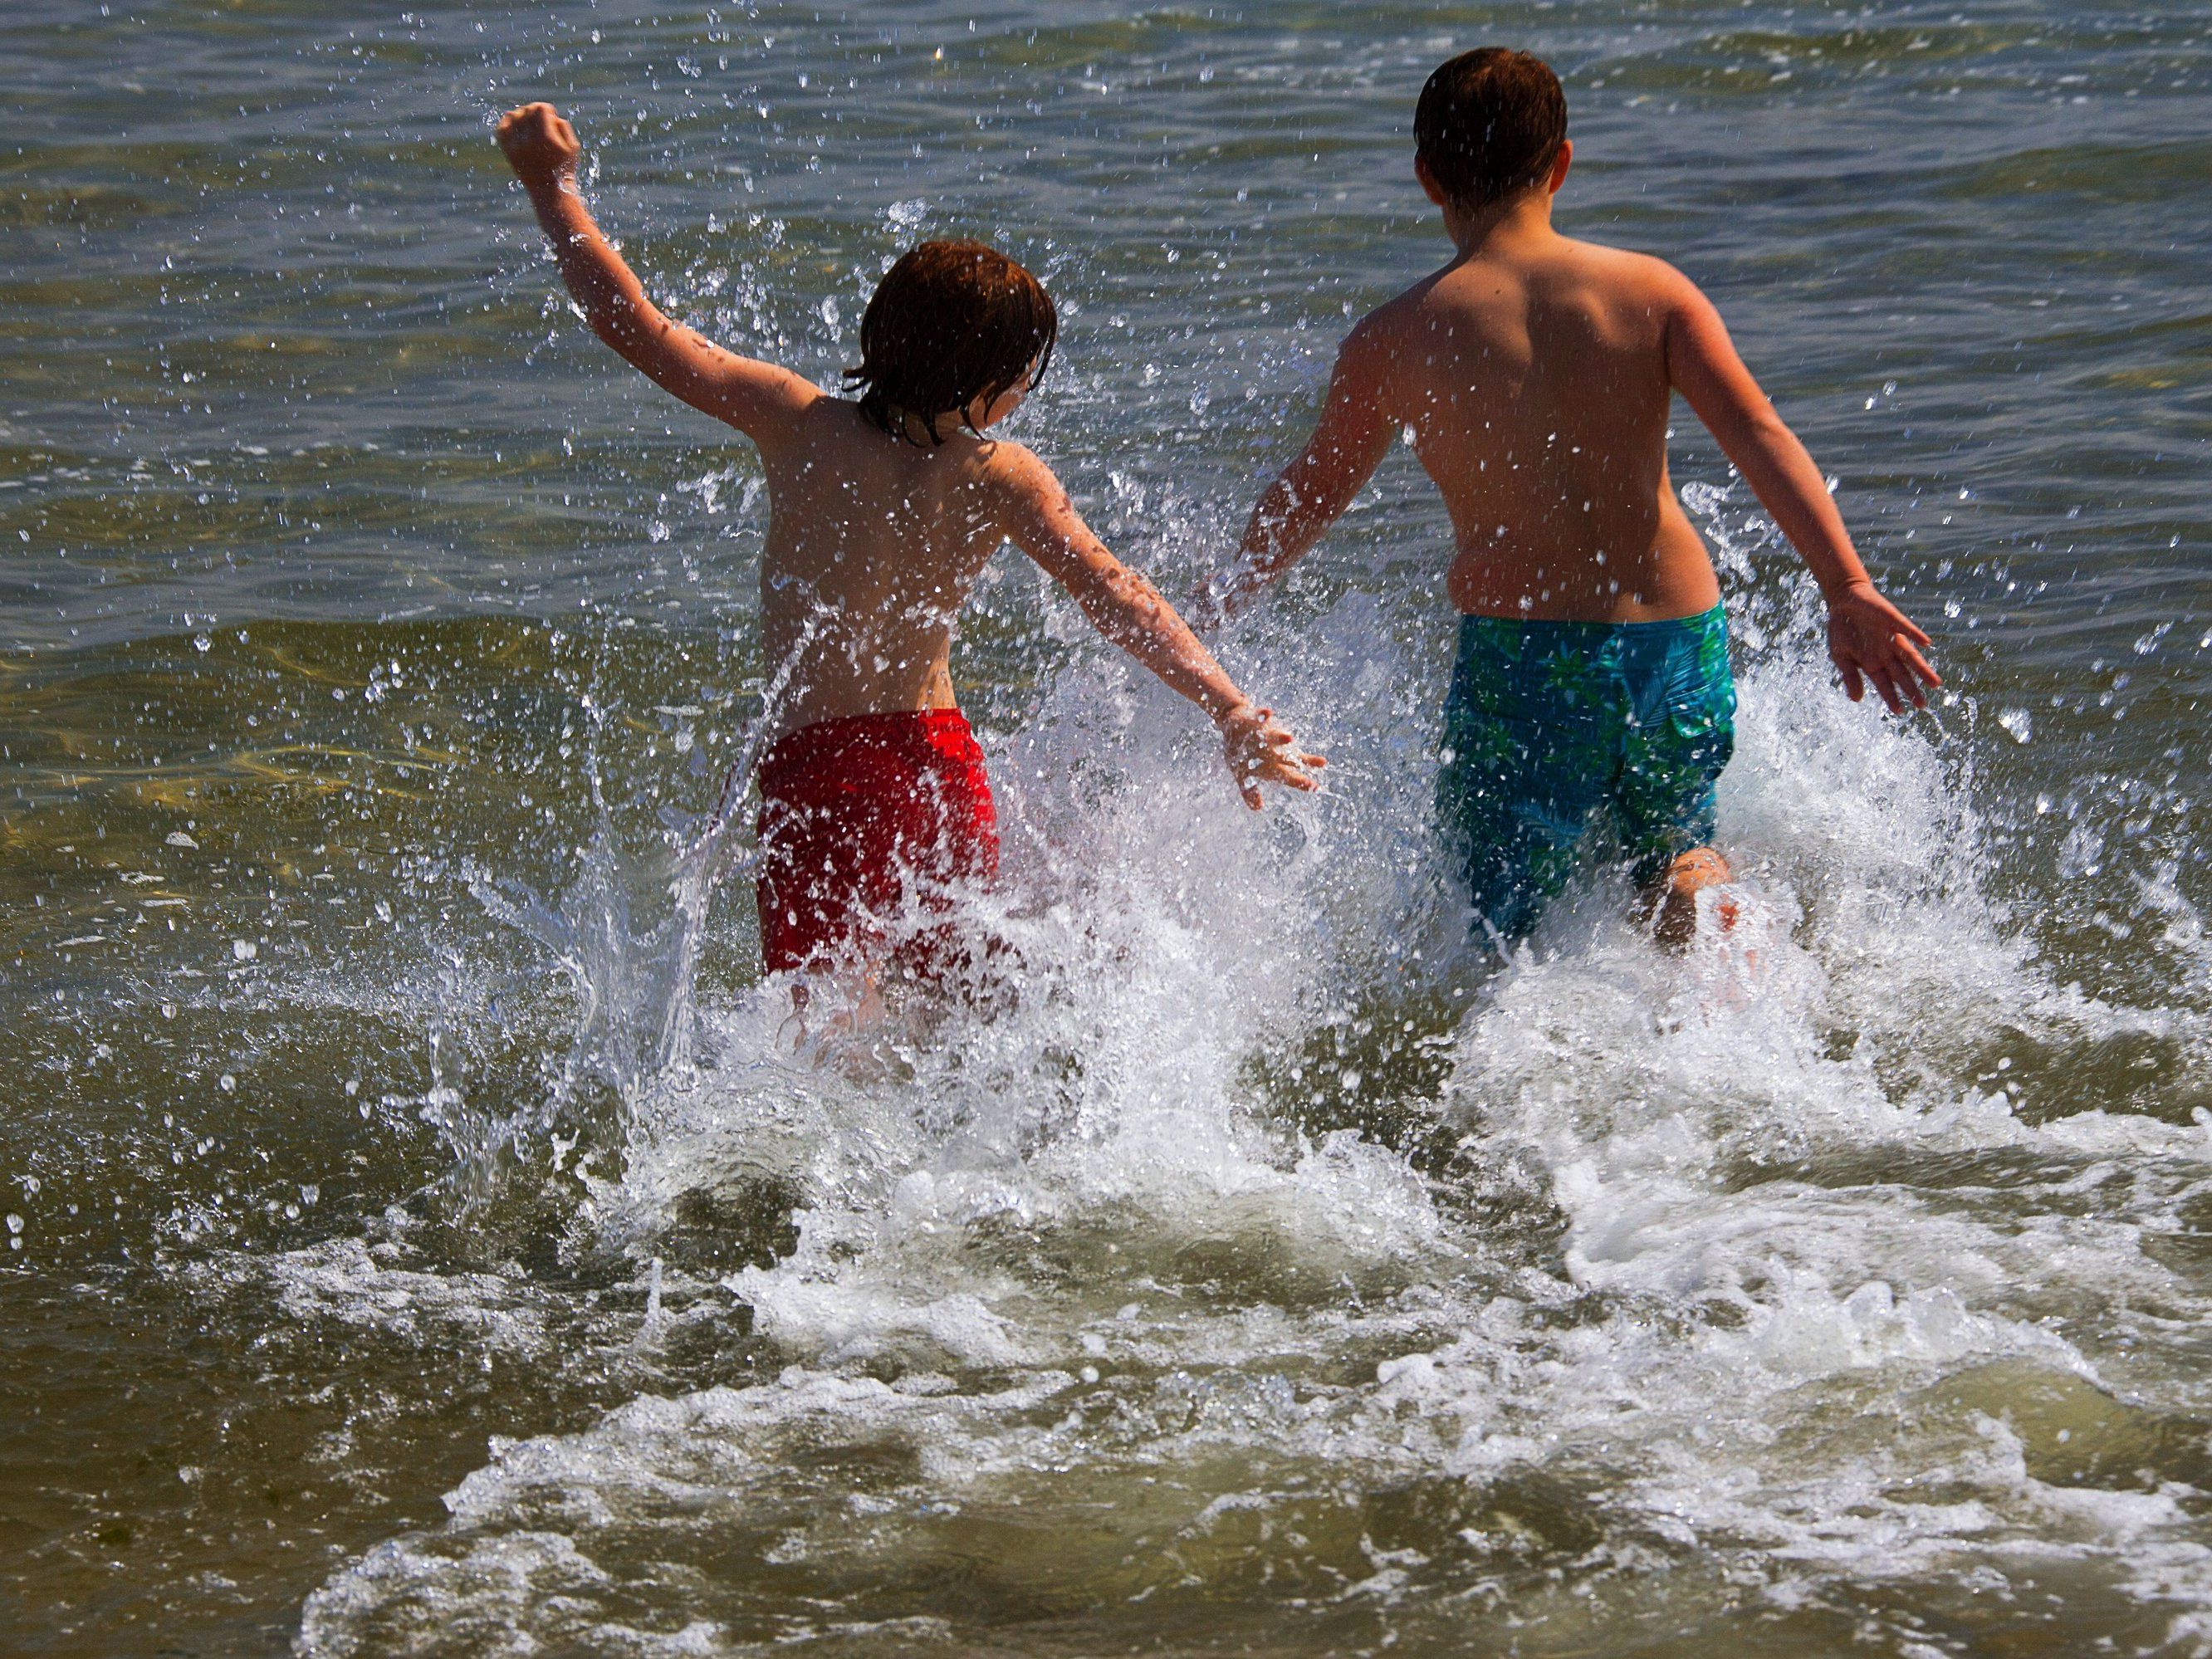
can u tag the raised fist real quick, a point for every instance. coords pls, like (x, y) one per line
(539, 144)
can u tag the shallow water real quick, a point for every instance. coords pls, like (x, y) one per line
(1271, 1275)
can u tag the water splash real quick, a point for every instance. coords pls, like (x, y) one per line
(634, 974)
(1260, 1168)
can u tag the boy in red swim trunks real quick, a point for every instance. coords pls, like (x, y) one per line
(884, 510)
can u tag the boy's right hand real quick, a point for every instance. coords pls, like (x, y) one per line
(1259, 749)
(539, 144)
(1869, 639)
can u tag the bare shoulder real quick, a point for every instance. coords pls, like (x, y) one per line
(767, 402)
(1648, 284)
(1642, 280)
(1006, 465)
(1367, 361)
(831, 429)
(787, 393)
(1377, 336)
(793, 391)
(1015, 480)
(1032, 508)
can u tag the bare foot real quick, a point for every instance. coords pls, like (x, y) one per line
(1674, 896)
(831, 1016)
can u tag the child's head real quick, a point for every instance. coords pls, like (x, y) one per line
(954, 328)
(1489, 125)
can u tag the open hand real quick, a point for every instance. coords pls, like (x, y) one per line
(539, 144)
(1261, 748)
(1869, 639)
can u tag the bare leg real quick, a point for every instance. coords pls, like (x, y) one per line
(819, 1024)
(1670, 903)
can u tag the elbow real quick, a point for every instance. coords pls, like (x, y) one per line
(1125, 610)
(1768, 430)
(1322, 490)
(1759, 443)
(611, 324)
(1761, 427)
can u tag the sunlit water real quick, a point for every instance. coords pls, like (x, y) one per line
(420, 1242)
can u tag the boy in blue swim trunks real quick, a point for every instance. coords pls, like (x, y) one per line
(1533, 375)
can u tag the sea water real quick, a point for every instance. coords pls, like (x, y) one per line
(423, 1236)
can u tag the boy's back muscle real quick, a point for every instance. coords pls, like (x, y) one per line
(873, 546)
(1535, 382)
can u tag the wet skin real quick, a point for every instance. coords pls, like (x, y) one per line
(875, 539)
(1535, 376)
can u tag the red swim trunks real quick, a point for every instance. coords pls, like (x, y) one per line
(857, 815)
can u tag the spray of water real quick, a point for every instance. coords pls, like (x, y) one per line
(1749, 1263)
(634, 977)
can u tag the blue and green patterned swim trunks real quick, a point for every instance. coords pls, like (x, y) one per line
(1551, 727)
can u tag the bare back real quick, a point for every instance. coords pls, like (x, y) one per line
(873, 544)
(1533, 374)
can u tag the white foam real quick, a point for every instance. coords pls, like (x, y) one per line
(341, 1280)
(1724, 1227)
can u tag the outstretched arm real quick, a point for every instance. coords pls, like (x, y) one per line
(1039, 519)
(1350, 439)
(1869, 638)
(759, 399)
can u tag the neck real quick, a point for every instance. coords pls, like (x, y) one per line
(920, 431)
(1527, 212)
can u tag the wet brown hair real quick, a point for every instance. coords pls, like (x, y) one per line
(950, 323)
(1489, 124)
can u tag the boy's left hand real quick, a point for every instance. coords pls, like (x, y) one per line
(1261, 748)
(1869, 639)
(539, 144)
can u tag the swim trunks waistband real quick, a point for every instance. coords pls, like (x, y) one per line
(892, 725)
(1699, 623)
